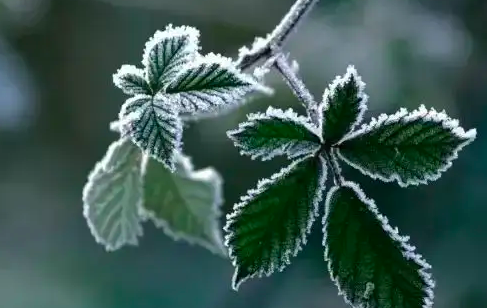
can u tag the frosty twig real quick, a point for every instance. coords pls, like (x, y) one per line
(262, 48)
(297, 86)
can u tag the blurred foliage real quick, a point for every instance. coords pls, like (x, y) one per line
(61, 55)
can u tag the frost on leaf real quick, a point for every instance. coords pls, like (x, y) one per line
(370, 262)
(211, 83)
(186, 203)
(411, 148)
(166, 52)
(131, 80)
(112, 196)
(344, 104)
(271, 223)
(153, 125)
(276, 133)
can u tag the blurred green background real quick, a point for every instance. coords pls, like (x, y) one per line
(57, 58)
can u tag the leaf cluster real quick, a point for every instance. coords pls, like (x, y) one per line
(372, 265)
(144, 175)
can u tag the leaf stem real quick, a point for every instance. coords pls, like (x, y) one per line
(332, 165)
(297, 86)
(277, 37)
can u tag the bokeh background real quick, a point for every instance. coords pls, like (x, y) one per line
(57, 58)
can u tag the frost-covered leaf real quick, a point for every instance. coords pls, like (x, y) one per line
(131, 80)
(186, 203)
(411, 148)
(271, 223)
(153, 125)
(370, 262)
(211, 83)
(166, 52)
(275, 133)
(344, 104)
(112, 196)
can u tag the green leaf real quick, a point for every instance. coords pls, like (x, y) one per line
(410, 148)
(210, 83)
(167, 52)
(370, 262)
(186, 203)
(112, 196)
(276, 133)
(271, 223)
(154, 126)
(131, 80)
(344, 104)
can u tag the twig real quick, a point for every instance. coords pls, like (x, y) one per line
(297, 86)
(262, 49)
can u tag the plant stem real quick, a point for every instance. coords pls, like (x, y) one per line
(278, 36)
(333, 166)
(297, 86)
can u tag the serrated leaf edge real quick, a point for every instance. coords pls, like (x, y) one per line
(403, 114)
(237, 208)
(102, 166)
(207, 174)
(170, 32)
(408, 251)
(340, 81)
(125, 70)
(225, 63)
(125, 118)
(271, 112)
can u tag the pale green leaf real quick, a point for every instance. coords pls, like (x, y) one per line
(186, 203)
(153, 125)
(167, 52)
(276, 133)
(131, 80)
(113, 195)
(271, 223)
(344, 104)
(410, 148)
(209, 84)
(370, 262)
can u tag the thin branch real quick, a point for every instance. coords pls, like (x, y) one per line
(297, 86)
(262, 48)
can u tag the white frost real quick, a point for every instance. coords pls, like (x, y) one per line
(279, 146)
(154, 126)
(109, 204)
(340, 82)
(185, 169)
(404, 116)
(191, 47)
(124, 79)
(407, 250)
(298, 244)
(211, 68)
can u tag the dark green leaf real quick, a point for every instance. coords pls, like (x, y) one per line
(271, 223)
(186, 203)
(411, 148)
(131, 80)
(167, 52)
(211, 83)
(153, 125)
(344, 104)
(113, 195)
(275, 133)
(370, 262)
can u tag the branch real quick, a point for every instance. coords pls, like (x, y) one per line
(262, 48)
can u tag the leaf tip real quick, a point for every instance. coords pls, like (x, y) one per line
(239, 277)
